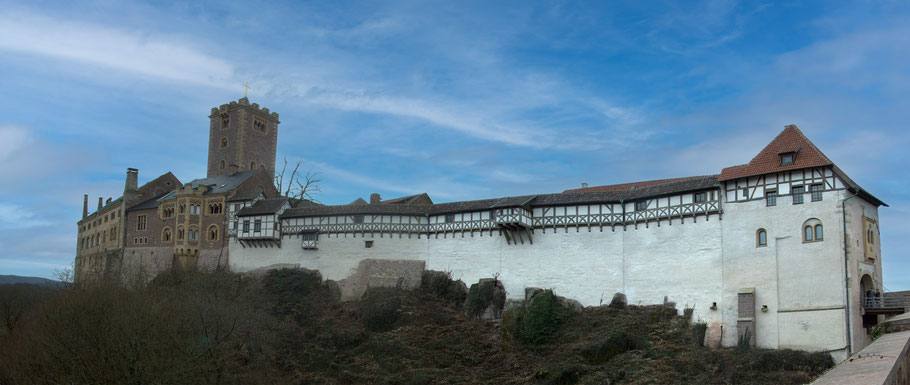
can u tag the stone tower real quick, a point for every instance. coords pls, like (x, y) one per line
(242, 137)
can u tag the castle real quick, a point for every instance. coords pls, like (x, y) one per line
(779, 250)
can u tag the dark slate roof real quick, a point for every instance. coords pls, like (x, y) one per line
(248, 196)
(363, 209)
(147, 204)
(626, 186)
(219, 184)
(407, 200)
(682, 185)
(263, 207)
(303, 203)
(358, 201)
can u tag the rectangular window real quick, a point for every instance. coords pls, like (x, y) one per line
(701, 197)
(641, 206)
(786, 159)
(141, 223)
(257, 226)
(492, 215)
(246, 226)
(450, 218)
(771, 197)
(798, 194)
(368, 244)
(358, 219)
(816, 190)
(745, 193)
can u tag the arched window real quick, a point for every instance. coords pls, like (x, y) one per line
(252, 165)
(213, 233)
(193, 234)
(223, 142)
(222, 165)
(761, 238)
(180, 233)
(166, 235)
(813, 231)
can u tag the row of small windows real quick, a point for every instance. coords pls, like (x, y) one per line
(140, 241)
(192, 234)
(815, 191)
(98, 239)
(101, 220)
(813, 231)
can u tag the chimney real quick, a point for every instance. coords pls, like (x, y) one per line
(584, 185)
(100, 203)
(132, 180)
(131, 187)
(374, 198)
(108, 201)
(84, 206)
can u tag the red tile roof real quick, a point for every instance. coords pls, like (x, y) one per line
(791, 139)
(628, 186)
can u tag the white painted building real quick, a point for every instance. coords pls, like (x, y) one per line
(784, 246)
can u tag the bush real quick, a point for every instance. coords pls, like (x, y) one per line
(441, 284)
(618, 342)
(381, 309)
(539, 320)
(788, 360)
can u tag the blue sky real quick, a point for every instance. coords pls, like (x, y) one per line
(462, 100)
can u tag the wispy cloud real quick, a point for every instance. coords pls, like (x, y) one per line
(143, 53)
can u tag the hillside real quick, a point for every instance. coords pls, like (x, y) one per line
(14, 279)
(289, 327)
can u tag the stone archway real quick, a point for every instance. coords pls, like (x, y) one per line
(867, 300)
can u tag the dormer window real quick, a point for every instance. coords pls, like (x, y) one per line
(787, 158)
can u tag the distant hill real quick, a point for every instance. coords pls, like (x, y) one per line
(14, 279)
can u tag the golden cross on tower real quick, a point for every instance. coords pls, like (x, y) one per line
(246, 87)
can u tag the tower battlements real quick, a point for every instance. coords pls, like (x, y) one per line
(224, 108)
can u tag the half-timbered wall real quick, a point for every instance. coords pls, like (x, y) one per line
(754, 188)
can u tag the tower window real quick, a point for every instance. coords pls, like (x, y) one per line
(259, 125)
(225, 121)
(252, 165)
(223, 142)
(222, 165)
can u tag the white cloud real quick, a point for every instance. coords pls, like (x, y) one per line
(119, 49)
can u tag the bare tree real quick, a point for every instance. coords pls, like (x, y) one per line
(298, 185)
